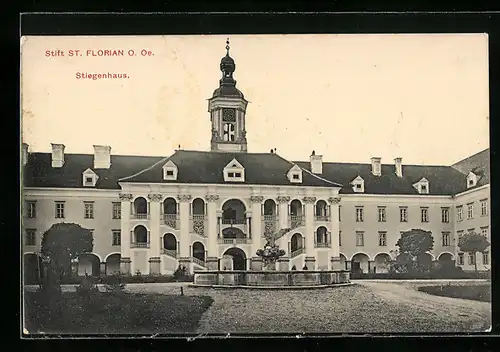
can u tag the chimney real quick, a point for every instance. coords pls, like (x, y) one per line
(24, 154)
(316, 163)
(376, 167)
(58, 155)
(102, 156)
(398, 163)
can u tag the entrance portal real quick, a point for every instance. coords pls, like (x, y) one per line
(239, 258)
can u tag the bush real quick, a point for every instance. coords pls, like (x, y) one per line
(87, 286)
(114, 283)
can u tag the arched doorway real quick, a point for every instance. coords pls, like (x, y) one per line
(198, 207)
(89, 264)
(32, 268)
(381, 263)
(269, 208)
(296, 242)
(140, 206)
(446, 260)
(239, 258)
(321, 210)
(359, 263)
(169, 242)
(322, 236)
(140, 236)
(233, 212)
(343, 261)
(199, 251)
(113, 264)
(296, 212)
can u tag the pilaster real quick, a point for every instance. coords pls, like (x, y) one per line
(154, 265)
(184, 200)
(256, 222)
(154, 223)
(211, 200)
(283, 202)
(126, 207)
(309, 235)
(125, 266)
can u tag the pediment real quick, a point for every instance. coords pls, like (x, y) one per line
(234, 164)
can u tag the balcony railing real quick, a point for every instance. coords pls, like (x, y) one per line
(170, 252)
(296, 221)
(198, 224)
(322, 245)
(139, 245)
(139, 215)
(297, 252)
(171, 220)
(234, 240)
(198, 261)
(322, 217)
(241, 221)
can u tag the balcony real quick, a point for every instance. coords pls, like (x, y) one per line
(198, 261)
(322, 245)
(170, 252)
(297, 252)
(139, 245)
(324, 218)
(139, 216)
(296, 221)
(198, 224)
(171, 220)
(234, 240)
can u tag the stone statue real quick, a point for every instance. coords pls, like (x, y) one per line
(271, 251)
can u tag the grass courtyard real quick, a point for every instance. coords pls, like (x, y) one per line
(366, 307)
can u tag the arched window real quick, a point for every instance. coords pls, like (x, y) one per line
(229, 132)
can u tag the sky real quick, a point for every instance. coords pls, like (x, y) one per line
(348, 97)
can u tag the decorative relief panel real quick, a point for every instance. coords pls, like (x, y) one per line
(155, 197)
(334, 200)
(256, 199)
(184, 197)
(210, 198)
(125, 196)
(309, 200)
(283, 199)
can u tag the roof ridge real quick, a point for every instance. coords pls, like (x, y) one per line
(310, 173)
(144, 170)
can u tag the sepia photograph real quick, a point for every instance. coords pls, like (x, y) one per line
(255, 184)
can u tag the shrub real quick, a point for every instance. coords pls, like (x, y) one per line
(113, 283)
(87, 286)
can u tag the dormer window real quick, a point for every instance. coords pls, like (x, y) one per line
(234, 172)
(358, 185)
(295, 174)
(170, 171)
(471, 179)
(89, 178)
(422, 186)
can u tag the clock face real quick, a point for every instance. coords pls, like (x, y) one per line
(228, 115)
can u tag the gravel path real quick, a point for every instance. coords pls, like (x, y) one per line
(366, 307)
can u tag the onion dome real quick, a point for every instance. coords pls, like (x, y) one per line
(227, 84)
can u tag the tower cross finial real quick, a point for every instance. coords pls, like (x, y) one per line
(227, 45)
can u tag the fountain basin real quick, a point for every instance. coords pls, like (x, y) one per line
(271, 279)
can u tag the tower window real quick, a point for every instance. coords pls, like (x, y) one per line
(229, 134)
(228, 115)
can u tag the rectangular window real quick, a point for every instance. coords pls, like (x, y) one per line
(117, 238)
(117, 210)
(424, 214)
(170, 172)
(472, 258)
(484, 231)
(230, 174)
(340, 238)
(460, 213)
(59, 210)
(460, 259)
(359, 214)
(31, 209)
(484, 207)
(237, 174)
(360, 239)
(381, 214)
(382, 238)
(30, 239)
(89, 210)
(486, 258)
(446, 239)
(445, 215)
(339, 213)
(403, 214)
(460, 233)
(295, 176)
(470, 211)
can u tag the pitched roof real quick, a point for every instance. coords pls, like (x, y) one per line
(260, 169)
(39, 172)
(207, 167)
(479, 164)
(443, 180)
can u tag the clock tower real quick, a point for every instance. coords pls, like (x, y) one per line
(227, 109)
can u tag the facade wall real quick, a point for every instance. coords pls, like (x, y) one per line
(103, 223)
(476, 223)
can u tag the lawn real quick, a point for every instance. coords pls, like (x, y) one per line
(109, 313)
(480, 292)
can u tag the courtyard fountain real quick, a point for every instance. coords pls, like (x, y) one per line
(270, 276)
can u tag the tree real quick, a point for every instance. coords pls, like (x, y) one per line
(413, 246)
(473, 242)
(64, 242)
